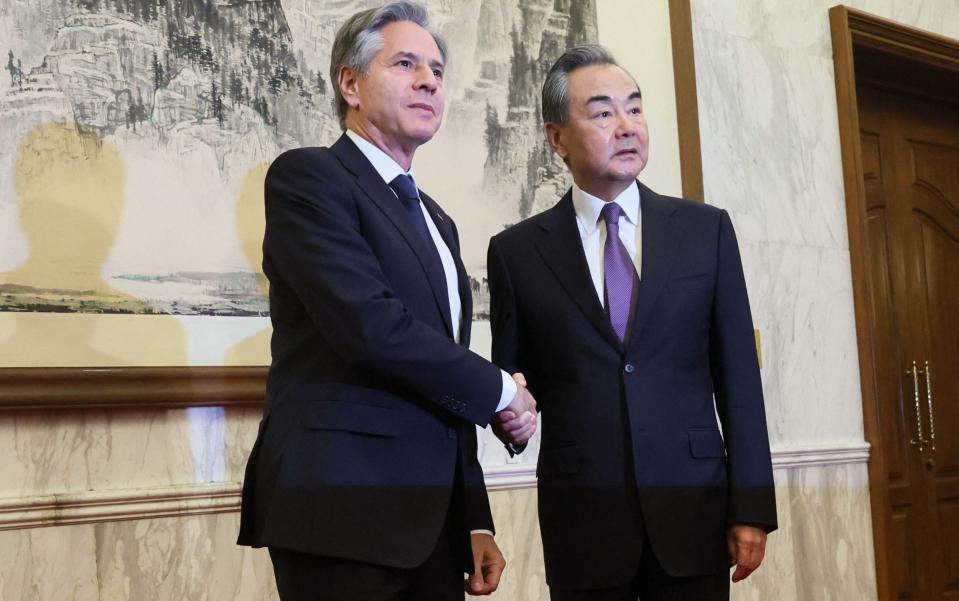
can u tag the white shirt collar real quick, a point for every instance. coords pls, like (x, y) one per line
(382, 162)
(588, 207)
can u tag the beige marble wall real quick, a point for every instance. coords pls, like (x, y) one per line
(771, 157)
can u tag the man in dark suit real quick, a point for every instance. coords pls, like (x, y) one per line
(627, 313)
(364, 481)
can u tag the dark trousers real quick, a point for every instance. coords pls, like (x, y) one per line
(304, 577)
(652, 583)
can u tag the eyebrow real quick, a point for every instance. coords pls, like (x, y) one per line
(435, 64)
(603, 98)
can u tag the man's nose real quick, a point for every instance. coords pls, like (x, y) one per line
(625, 125)
(426, 79)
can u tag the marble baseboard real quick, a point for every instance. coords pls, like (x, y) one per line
(822, 550)
(171, 501)
(49, 564)
(191, 500)
(95, 506)
(184, 559)
(517, 534)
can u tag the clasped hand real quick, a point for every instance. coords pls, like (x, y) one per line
(516, 424)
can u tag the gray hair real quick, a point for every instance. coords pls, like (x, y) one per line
(556, 87)
(359, 39)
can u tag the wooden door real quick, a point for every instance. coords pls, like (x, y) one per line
(910, 152)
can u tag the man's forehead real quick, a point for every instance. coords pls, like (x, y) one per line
(406, 37)
(602, 81)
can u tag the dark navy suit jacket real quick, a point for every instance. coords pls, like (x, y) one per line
(371, 407)
(630, 438)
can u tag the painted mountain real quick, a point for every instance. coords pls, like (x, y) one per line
(134, 136)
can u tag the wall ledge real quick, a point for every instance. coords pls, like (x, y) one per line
(223, 497)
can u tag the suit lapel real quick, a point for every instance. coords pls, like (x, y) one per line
(562, 250)
(466, 301)
(444, 225)
(383, 197)
(659, 252)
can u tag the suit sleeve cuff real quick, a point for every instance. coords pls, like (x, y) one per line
(509, 391)
(515, 450)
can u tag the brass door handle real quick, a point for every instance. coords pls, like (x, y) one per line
(932, 414)
(918, 441)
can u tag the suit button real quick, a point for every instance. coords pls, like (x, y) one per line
(451, 433)
(629, 368)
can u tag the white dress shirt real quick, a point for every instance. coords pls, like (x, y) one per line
(388, 169)
(592, 231)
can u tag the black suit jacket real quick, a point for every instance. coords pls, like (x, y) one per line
(630, 438)
(371, 405)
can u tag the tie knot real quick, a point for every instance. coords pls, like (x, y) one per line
(405, 187)
(610, 214)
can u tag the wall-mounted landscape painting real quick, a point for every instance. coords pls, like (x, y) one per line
(135, 134)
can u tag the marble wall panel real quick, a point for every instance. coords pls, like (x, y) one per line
(47, 452)
(802, 304)
(180, 559)
(55, 564)
(517, 534)
(775, 578)
(804, 24)
(770, 140)
(833, 543)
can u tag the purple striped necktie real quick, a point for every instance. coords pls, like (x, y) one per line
(618, 272)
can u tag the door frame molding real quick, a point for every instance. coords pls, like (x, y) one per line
(854, 28)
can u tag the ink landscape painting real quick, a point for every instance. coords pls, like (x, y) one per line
(135, 136)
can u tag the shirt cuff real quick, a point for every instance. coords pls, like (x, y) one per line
(509, 391)
(490, 532)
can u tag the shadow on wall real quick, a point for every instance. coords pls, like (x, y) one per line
(56, 308)
(250, 225)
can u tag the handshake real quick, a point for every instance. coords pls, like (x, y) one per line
(516, 424)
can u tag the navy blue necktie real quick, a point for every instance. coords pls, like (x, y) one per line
(405, 190)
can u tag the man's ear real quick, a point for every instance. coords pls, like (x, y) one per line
(554, 135)
(348, 81)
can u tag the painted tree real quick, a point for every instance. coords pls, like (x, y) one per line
(141, 109)
(159, 76)
(235, 89)
(216, 104)
(16, 71)
(320, 83)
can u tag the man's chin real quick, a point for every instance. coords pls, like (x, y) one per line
(627, 175)
(422, 135)
(629, 169)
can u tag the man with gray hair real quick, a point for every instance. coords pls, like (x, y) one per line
(626, 311)
(364, 481)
